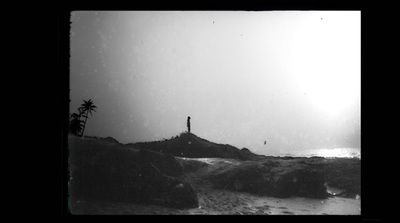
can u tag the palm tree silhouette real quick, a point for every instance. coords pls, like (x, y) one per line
(76, 124)
(87, 107)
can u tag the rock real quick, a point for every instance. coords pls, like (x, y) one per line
(299, 182)
(247, 177)
(111, 172)
(345, 174)
(191, 146)
(272, 179)
(189, 165)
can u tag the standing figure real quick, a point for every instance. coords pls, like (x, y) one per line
(188, 123)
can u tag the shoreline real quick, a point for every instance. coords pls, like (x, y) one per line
(215, 186)
(214, 201)
(221, 202)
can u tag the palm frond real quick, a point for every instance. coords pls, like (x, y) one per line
(74, 115)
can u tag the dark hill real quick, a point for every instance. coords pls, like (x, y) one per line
(106, 139)
(105, 170)
(191, 146)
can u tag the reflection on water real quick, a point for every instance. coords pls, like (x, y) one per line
(327, 153)
(339, 152)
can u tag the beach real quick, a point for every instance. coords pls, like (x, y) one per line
(216, 202)
(213, 201)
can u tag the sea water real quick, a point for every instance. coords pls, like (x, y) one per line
(327, 153)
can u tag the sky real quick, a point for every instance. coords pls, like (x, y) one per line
(290, 78)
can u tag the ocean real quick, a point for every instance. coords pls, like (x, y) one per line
(327, 153)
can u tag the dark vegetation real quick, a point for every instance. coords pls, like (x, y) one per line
(76, 125)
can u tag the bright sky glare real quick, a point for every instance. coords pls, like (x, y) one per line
(291, 78)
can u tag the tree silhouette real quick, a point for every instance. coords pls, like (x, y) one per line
(76, 124)
(86, 108)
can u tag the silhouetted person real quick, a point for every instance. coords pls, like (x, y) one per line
(265, 142)
(188, 123)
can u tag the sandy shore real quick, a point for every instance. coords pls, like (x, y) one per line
(219, 202)
(224, 202)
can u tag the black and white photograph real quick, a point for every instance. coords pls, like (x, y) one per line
(228, 112)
